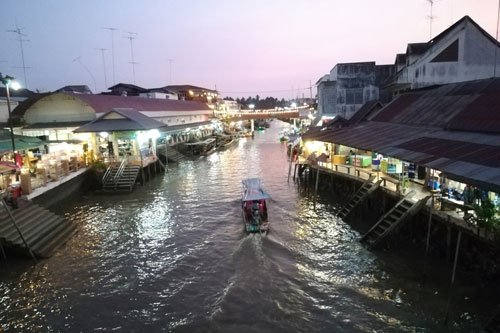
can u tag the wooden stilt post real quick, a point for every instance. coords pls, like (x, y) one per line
(295, 171)
(453, 273)
(316, 185)
(448, 243)
(166, 155)
(3, 254)
(427, 242)
(291, 158)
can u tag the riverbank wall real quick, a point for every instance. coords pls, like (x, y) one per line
(60, 194)
(476, 255)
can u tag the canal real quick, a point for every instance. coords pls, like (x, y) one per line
(173, 256)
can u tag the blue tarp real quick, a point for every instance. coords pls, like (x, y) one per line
(253, 190)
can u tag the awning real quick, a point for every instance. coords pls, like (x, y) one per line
(181, 128)
(21, 142)
(253, 191)
(53, 125)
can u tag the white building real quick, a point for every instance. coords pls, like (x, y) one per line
(463, 52)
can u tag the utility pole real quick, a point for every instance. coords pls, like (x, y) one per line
(104, 67)
(79, 60)
(310, 90)
(496, 46)
(18, 31)
(170, 69)
(131, 36)
(112, 50)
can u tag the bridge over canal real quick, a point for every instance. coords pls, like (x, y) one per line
(288, 113)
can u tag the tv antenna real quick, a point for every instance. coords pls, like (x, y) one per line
(431, 17)
(112, 50)
(131, 36)
(79, 60)
(20, 38)
(170, 61)
(104, 67)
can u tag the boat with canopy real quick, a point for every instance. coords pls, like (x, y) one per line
(254, 206)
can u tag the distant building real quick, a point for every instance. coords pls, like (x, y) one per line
(78, 89)
(463, 52)
(228, 105)
(160, 93)
(189, 92)
(350, 85)
(125, 89)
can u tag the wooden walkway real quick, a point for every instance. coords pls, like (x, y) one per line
(456, 217)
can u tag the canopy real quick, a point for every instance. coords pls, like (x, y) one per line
(253, 191)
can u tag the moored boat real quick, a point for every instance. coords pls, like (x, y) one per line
(253, 202)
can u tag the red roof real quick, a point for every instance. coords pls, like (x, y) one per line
(105, 103)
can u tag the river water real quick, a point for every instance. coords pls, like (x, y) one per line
(173, 256)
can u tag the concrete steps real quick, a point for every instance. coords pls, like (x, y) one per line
(43, 230)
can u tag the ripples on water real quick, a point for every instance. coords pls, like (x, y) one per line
(172, 255)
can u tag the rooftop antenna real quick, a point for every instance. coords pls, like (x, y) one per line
(112, 50)
(79, 60)
(131, 36)
(170, 61)
(19, 32)
(431, 17)
(104, 67)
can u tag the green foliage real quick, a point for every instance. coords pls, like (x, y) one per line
(98, 167)
(487, 215)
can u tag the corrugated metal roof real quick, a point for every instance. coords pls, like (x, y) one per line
(472, 158)
(364, 111)
(467, 106)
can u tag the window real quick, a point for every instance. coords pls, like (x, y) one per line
(354, 96)
(448, 54)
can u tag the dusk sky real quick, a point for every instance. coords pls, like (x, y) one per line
(270, 48)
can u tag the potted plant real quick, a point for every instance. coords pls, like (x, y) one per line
(487, 216)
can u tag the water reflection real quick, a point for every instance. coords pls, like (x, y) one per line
(172, 255)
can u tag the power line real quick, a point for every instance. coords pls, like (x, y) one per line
(266, 91)
(79, 60)
(262, 91)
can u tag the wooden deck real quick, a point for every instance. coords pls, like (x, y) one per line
(449, 212)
